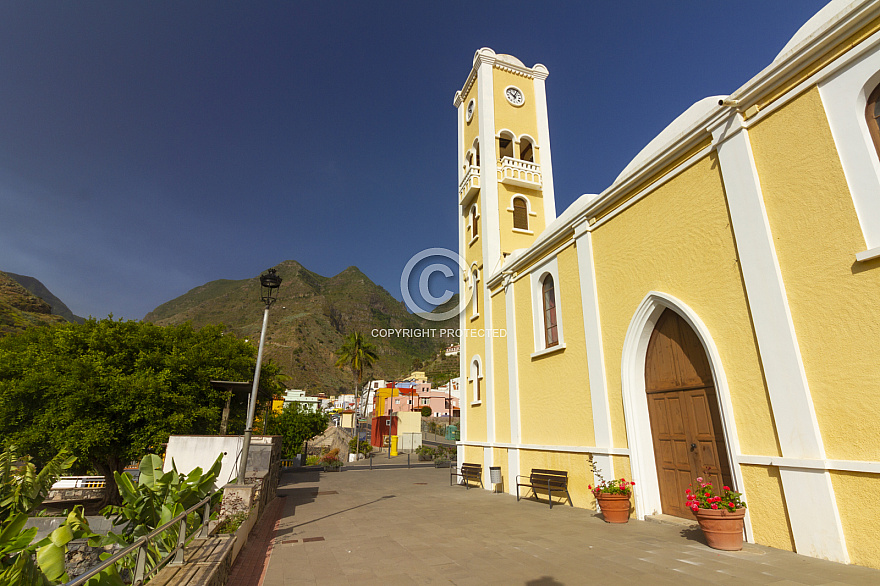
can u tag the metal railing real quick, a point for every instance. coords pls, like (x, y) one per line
(140, 570)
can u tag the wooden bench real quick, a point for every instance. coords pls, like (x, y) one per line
(469, 473)
(549, 480)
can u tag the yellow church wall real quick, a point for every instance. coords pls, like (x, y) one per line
(511, 240)
(579, 476)
(476, 345)
(766, 505)
(678, 240)
(473, 248)
(859, 509)
(518, 119)
(554, 387)
(474, 455)
(500, 385)
(832, 298)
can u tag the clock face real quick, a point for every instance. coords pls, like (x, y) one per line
(470, 110)
(514, 95)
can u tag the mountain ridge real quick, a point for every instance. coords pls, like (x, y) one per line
(310, 321)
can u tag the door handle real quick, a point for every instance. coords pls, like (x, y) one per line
(693, 447)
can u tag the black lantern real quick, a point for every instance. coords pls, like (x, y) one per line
(269, 284)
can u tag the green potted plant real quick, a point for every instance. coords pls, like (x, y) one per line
(720, 515)
(612, 496)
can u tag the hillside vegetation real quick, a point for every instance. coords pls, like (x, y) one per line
(21, 309)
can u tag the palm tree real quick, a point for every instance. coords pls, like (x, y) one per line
(359, 355)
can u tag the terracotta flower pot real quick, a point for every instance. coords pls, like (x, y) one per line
(615, 507)
(723, 529)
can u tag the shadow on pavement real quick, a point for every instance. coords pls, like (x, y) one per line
(544, 581)
(292, 527)
(694, 534)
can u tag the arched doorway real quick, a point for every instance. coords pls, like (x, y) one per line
(686, 428)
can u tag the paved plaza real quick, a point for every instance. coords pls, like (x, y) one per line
(409, 526)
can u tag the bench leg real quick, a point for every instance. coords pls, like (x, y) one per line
(517, 493)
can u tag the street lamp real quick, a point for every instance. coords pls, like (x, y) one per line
(269, 284)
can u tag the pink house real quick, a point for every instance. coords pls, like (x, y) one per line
(413, 396)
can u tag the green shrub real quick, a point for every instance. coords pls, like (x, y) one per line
(364, 447)
(426, 411)
(231, 524)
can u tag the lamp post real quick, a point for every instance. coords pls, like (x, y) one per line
(269, 284)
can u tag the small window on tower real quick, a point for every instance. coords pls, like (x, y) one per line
(505, 147)
(520, 214)
(526, 153)
(474, 229)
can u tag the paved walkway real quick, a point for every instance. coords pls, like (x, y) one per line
(408, 526)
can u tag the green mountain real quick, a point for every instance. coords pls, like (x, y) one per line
(20, 309)
(37, 288)
(309, 322)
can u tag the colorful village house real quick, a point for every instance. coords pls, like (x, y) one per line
(712, 313)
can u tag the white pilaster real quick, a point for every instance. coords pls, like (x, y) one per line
(512, 364)
(513, 386)
(489, 210)
(809, 496)
(595, 353)
(541, 73)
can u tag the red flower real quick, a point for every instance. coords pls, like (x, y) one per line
(714, 506)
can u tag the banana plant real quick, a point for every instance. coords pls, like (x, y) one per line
(157, 498)
(22, 488)
(19, 565)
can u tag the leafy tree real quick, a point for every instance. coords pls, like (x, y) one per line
(426, 411)
(296, 425)
(112, 391)
(358, 354)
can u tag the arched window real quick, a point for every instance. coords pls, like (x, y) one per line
(475, 310)
(505, 145)
(474, 230)
(520, 214)
(548, 296)
(526, 151)
(476, 375)
(469, 159)
(477, 151)
(872, 114)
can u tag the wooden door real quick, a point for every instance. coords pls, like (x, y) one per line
(683, 408)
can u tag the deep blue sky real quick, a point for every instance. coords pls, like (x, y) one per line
(149, 147)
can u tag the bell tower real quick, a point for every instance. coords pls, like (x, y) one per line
(505, 198)
(505, 170)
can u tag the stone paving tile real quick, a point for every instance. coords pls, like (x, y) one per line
(382, 528)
